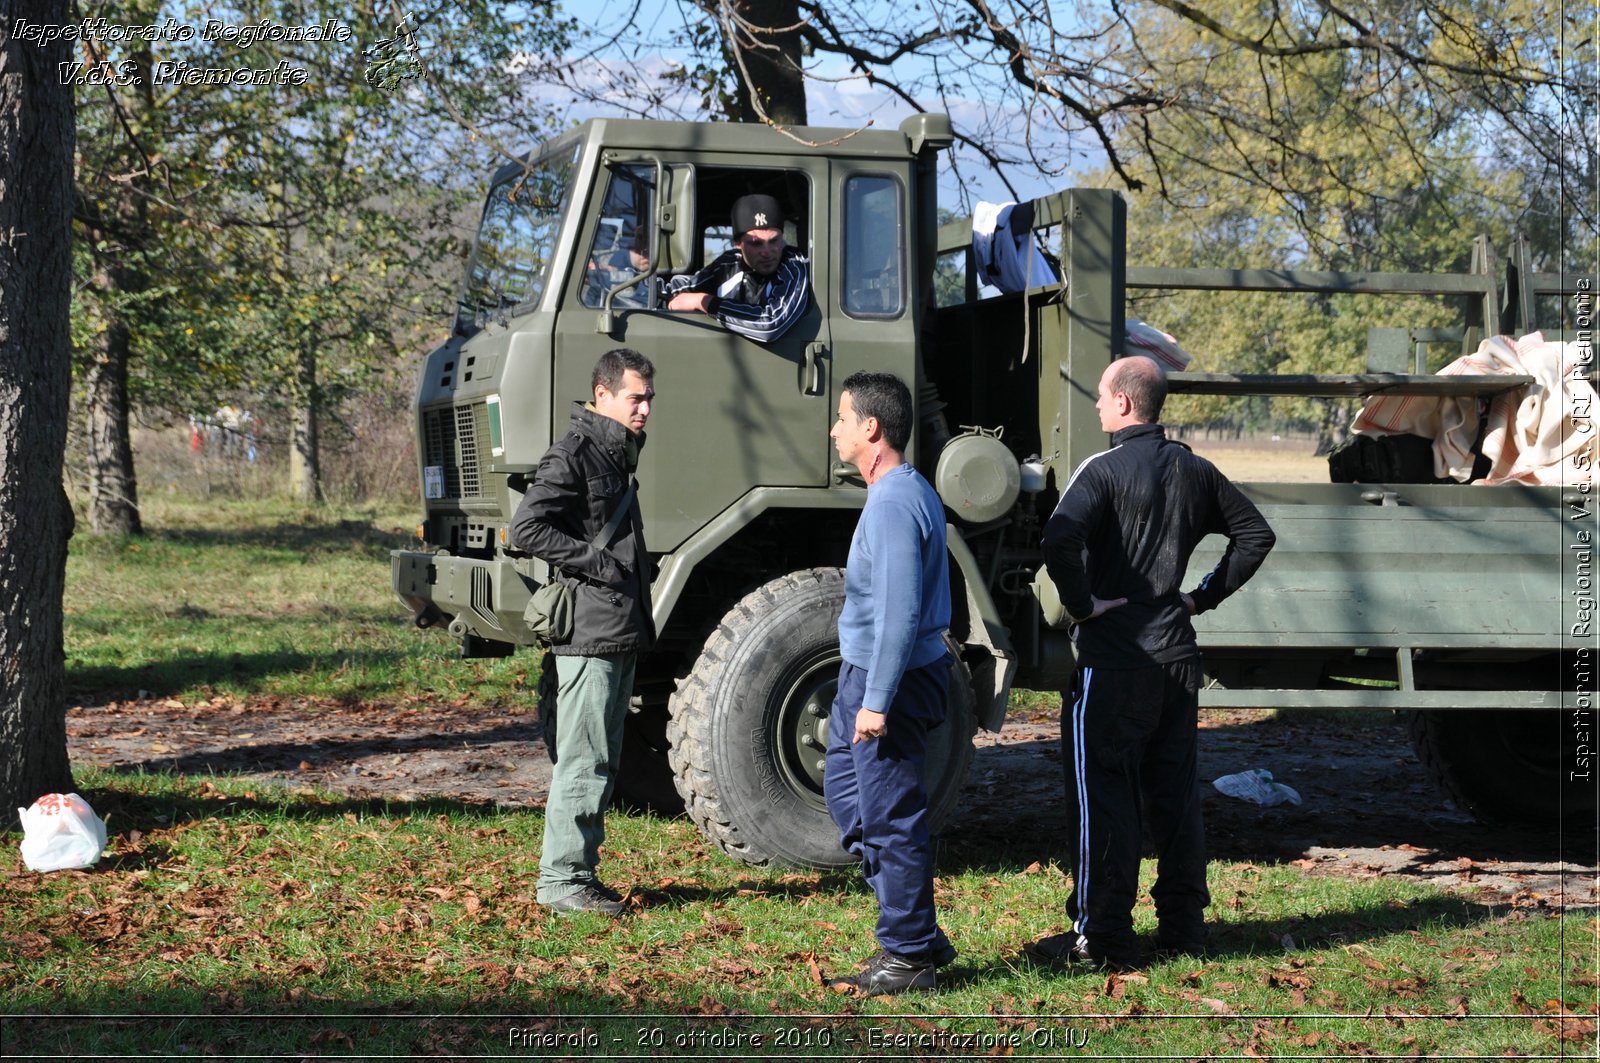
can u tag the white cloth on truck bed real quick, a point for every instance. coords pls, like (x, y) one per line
(1544, 433)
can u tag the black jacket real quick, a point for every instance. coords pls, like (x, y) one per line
(1127, 522)
(579, 482)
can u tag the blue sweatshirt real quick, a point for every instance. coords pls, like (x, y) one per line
(896, 585)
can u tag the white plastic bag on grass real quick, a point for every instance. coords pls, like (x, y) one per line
(61, 831)
(1256, 785)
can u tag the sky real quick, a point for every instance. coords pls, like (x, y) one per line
(835, 96)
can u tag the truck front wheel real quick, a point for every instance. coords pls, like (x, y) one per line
(748, 727)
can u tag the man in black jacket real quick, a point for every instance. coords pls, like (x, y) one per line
(580, 482)
(1116, 548)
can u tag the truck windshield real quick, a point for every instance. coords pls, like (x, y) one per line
(516, 239)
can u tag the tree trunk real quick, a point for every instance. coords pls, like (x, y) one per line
(772, 64)
(113, 490)
(36, 149)
(305, 461)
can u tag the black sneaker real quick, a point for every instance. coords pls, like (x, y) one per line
(1072, 948)
(886, 974)
(587, 899)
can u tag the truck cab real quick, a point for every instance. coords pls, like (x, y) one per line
(738, 484)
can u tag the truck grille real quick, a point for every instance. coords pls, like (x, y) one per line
(467, 438)
(452, 439)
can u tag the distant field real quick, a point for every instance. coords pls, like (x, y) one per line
(1290, 459)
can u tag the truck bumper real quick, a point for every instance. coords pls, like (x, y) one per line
(483, 598)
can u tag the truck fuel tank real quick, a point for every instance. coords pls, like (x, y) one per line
(977, 478)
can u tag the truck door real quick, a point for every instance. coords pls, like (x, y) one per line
(731, 414)
(872, 325)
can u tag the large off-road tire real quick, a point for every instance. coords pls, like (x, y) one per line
(645, 777)
(1503, 766)
(749, 727)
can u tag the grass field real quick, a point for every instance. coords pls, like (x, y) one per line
(1286, 460)
(235, 920)
(251, 598)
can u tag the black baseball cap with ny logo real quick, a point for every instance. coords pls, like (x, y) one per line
(756, 212)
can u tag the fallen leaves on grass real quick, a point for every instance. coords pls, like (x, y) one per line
(1574, 1028)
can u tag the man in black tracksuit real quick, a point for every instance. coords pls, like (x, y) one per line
(1116, 548)
(758, 288)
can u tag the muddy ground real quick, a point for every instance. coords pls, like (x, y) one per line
(1368, 807)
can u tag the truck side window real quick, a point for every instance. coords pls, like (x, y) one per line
(873, 260)
(716, 189)
(622, 244)
(715, 239)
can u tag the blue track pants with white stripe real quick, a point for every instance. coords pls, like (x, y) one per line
(1128, 739)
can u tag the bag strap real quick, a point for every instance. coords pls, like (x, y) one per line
(599, 541)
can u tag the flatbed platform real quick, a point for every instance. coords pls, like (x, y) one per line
(1342, 384)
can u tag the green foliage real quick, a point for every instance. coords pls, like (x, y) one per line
(1339, 159)
(1382, 96)
(1320, 160)
(234, 227)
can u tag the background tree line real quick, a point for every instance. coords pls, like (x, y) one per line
(278, 245)
(289, 244)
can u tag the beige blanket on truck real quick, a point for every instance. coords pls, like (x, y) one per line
(1544, 433)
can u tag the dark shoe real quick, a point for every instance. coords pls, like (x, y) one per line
(886, 974)
(596, 899)
(1073, 949)
(606, 891)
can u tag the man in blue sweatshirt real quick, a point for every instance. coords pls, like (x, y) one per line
(891, 685)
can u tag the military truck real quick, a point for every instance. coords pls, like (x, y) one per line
(1443, 600)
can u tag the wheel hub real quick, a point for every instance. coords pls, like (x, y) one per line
(803, 729)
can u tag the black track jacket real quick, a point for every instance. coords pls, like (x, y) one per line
(1125, 527)
(761, 308)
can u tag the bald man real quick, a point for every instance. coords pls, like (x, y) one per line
(1116, 548)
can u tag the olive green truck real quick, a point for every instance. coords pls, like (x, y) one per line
(1456, 603)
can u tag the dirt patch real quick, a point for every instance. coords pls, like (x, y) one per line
(406, 754)
(1367, 806)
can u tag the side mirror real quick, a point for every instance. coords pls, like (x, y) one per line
(675, 220)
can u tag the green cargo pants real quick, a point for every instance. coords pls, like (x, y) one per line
(591, 704)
